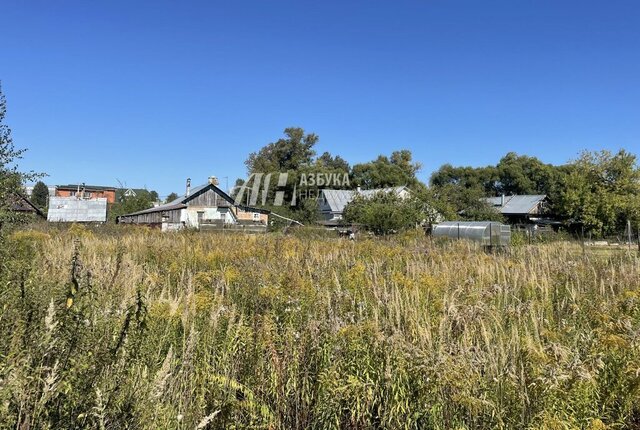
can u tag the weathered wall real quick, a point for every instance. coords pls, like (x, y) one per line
(71, 209)
(249, 216)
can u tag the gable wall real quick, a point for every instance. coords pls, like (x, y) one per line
(208, 198)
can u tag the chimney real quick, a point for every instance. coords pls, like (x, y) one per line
(83, 189)
(502, 200)
(213, 180)
(188, 187)
(358, 189)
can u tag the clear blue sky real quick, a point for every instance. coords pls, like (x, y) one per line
(150, 93)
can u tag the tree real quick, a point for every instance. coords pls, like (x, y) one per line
(525, 175)
(171, 197)
(483, 180)
(289, 153)
(329, 162)
(397, 170)
(292, 155)
(40, 195)
(384, 212)
(601, 191)
(11, 179)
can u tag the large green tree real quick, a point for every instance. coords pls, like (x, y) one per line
(521, 174)
(294, 155)
(483, 180)
(601, 192)
(291, 152)
(398, 169)
(329, 162)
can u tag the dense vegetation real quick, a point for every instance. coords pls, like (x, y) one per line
(598, 192)
(136, 329)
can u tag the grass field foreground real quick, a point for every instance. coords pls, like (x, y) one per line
(180, 331)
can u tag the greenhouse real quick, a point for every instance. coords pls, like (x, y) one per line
(487, 233)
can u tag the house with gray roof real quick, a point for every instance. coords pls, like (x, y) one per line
(202, 207)
(331, 203)
(529, 209)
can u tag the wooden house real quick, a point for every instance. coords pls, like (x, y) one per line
(202, 207)
(21, 204)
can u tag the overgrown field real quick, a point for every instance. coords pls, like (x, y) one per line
(181, 331)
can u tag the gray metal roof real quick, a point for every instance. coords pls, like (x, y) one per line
(337, 200)
(516, 205)
(73, 209)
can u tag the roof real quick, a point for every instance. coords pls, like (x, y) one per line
(338, 199)
(516, 205)
(86, 187)
(73, 209)
(20, 203)
(181, 202)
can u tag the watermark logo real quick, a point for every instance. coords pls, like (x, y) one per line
(256, 189)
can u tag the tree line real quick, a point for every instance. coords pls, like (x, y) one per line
(598, 191)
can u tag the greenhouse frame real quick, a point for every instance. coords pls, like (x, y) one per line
(487, 233)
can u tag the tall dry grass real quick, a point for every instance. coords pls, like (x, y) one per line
(144, 330)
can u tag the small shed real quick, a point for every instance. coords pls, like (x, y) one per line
(487, 233)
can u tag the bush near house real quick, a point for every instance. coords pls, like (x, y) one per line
(384, 213)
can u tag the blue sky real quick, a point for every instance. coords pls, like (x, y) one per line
(149, 93)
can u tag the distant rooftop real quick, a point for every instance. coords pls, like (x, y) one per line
(517, 204)
(86, 187)
(337, 200)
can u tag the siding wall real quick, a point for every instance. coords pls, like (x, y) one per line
(172, 216)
